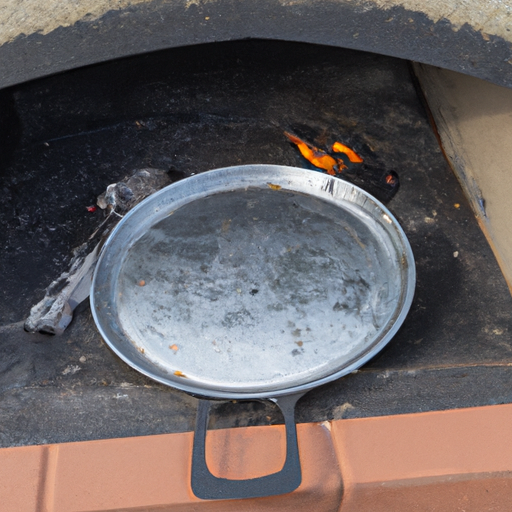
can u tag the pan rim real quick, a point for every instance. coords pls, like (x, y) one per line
(137, 362)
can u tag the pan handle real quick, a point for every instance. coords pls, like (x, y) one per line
(209, 487)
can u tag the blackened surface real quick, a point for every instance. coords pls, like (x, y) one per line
(197, 109)
(10, 131)
(163, 24)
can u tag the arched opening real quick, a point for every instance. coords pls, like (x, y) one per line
(191, 109)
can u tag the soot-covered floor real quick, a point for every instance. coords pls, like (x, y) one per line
(200, 108)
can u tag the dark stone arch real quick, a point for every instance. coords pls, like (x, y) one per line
(160, 24)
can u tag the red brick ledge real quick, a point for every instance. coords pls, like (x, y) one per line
(457, 460)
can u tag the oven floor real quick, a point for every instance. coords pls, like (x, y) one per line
(202, 108)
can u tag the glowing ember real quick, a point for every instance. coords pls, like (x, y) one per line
(317, 157)
(338, 147)
(322, 159)
(343, 162)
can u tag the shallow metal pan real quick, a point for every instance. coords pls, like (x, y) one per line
(252, 282)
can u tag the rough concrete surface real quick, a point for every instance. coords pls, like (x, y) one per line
(27, 17)
(30, 16)
(486, 16)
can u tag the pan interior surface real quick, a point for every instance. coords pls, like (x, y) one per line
(257, 290)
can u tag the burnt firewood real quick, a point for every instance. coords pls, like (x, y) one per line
(55, 311)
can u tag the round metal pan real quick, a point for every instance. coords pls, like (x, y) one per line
(253, 282)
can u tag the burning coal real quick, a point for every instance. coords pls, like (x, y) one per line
(338, 147)
(343, 162)
(317, 157)
(322, 159)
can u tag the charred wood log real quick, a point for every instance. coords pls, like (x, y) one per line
(55, 311)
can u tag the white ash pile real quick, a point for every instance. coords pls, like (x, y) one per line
(55, 311)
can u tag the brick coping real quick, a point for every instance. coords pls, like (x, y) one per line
(444, 461)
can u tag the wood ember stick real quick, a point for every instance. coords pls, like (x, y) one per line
(55, 311)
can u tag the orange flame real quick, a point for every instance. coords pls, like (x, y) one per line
(317, 157)
(352, 155)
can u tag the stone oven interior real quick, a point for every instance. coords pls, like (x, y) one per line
(64, 138)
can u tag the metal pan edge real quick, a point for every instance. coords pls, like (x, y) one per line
(193, 188)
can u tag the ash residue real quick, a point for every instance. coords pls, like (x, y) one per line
(55, 311)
